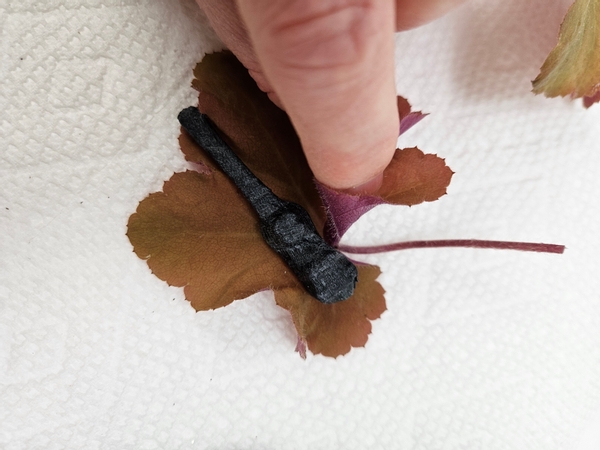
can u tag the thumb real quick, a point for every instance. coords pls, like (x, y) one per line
(331, 65)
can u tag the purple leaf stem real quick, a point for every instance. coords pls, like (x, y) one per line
(464, 243)
(409, 121)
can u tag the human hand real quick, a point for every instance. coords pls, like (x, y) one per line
(330, 65)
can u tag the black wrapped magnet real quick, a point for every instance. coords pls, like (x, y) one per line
(286, 227)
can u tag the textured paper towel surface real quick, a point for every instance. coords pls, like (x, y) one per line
(478, 349)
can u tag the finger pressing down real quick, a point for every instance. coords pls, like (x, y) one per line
(331, 66)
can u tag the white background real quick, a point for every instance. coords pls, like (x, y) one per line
(479, 349)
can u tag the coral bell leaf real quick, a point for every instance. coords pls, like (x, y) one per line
(333, 329)
(573, 66)
(199, 233)
(202, 234)
(258, 131)
(411, 178)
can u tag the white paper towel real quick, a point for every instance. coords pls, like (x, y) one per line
(478, 349)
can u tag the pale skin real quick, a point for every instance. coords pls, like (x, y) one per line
(330, 65)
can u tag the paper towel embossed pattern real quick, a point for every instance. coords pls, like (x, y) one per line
(199, 233)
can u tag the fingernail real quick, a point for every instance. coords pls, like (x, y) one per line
(370, 187)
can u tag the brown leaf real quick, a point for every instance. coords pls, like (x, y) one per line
(414, 177)
(333, 330)
(194, 154)
(201, 234)
(404, 107)
(573, 66)
(260, 133)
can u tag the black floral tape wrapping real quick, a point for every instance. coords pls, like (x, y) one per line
(287, 228)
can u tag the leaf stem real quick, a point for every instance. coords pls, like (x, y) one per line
(463, 243)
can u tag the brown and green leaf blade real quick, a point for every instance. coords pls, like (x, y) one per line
(259, 132)
(573, 66)
(199, 233)
(333, 330)
(414, 177)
